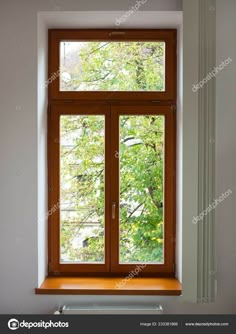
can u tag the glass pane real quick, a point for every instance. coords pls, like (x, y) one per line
(113, 66)
(141, 189)
(82, 162)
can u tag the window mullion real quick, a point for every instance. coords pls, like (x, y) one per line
(114, 200)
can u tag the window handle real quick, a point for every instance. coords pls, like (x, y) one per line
(113, 210)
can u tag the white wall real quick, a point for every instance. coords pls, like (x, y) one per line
(19, 137)
(226, 150)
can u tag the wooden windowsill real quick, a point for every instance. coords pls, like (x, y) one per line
(109, 286)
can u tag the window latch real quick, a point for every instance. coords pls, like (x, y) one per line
(113, 210)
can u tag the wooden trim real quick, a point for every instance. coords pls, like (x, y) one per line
(110, 286)
(166, 35)
(115, 188)
(105, 34)
(109, 274)
(53, 189)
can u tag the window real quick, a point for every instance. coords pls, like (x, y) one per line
(113, 66)
(111, 152)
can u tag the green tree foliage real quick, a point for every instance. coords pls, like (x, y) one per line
(141, 188)
(113, 66)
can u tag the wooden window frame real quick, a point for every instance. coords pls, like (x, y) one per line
(111, 104)
(168, 36)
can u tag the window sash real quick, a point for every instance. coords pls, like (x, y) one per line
(169, 191)
(111, 113)
(58, 35)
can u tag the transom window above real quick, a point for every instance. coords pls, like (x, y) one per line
(106, 64)
(112, 66)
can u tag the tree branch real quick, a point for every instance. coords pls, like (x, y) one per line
(135, 209)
